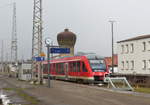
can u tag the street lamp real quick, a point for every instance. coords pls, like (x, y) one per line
(112, 33)
(48, 42)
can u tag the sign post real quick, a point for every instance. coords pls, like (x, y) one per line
(48, 63)
(48, 42)
(54, 49)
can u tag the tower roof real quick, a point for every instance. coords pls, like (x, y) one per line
(66, 38)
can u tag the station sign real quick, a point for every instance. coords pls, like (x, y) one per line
(39, 58)
(60, 50)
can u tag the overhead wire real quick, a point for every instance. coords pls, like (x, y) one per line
(6, 5)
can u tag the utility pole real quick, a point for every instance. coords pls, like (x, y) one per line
(14, 46)
(37, 32)
(2, 57)
(112, 33)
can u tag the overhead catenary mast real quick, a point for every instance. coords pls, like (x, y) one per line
(2, 57)
(37, 31)
(14, 46)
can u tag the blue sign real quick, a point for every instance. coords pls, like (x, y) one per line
(60, 50)
(39, 58)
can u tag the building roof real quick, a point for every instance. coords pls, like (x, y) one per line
(135, 38)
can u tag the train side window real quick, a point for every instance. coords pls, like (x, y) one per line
(71, 66)
(54, 67)
(51, 67)
(74, 66)
(83, 67)
(57, 68)
(61, 68)
(78, 66)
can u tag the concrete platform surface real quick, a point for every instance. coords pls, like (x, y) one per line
(67, 93)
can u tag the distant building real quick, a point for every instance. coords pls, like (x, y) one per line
(134, 55)
(25, 71)
(109, 63)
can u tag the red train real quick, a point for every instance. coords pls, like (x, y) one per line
(87, 68)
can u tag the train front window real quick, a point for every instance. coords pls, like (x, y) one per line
(97, 65)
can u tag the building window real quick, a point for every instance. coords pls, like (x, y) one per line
(122, 47)
(149, 64)
(148, 46)
(127, 64)
(127, 48)
(132, 65)
(132, 48)
(144, 46)
(144, 64)
(122, 65)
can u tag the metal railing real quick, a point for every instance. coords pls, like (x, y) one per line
(118, 83)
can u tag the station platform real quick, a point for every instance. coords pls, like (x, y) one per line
(68, 93)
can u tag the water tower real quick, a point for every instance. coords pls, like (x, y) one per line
(67, 39)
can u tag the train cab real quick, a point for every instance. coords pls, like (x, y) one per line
(98, 67)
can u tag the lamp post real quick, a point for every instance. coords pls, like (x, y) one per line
(48, 42)
(112, 33)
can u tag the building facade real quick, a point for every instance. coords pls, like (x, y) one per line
(25, 71)
(109, 63)
(134, 55)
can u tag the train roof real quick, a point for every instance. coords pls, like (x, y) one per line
(89, 56)
(77, 58)
(94, 56)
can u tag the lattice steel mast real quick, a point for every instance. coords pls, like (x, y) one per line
(37, 31)
(14, 46)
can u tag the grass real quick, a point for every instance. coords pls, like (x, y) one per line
(32, 100)
(8, 89)
(28, 98)
(142, 90)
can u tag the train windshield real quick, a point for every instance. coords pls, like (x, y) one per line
(98, 65)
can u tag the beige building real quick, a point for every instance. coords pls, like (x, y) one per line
(134, 55)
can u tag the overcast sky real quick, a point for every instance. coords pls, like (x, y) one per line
(88, 19)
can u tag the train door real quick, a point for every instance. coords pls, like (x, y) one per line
(66, 71)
